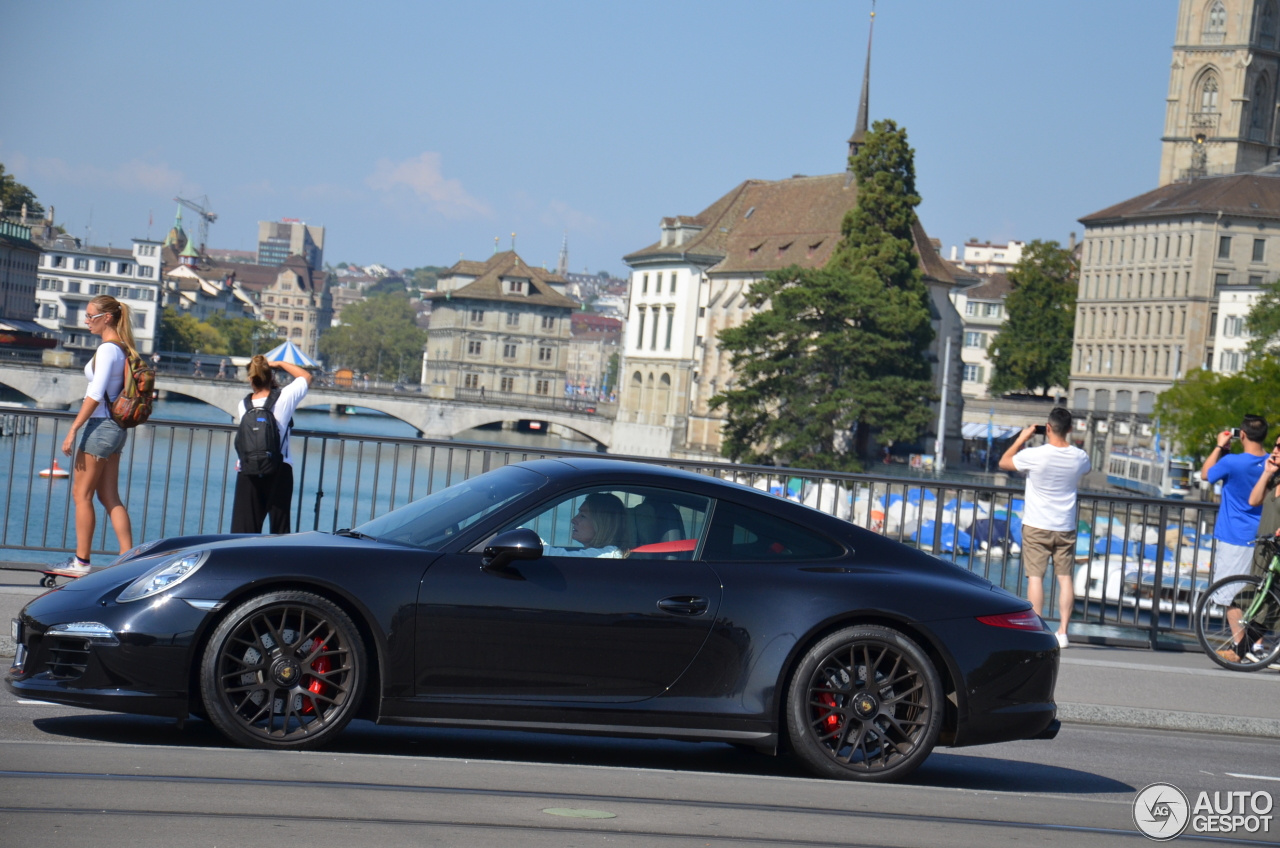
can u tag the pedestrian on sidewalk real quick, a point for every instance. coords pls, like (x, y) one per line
(222, 369)
(1053, 474)
(1238, 517)
(264, 484)
(197, 369)
(97, 452)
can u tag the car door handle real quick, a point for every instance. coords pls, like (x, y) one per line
(684, 605)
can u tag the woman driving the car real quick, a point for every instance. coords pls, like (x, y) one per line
(602, 526)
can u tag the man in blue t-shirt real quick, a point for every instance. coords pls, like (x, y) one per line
(1237, 524)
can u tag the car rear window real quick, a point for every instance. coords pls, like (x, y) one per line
(742, 534)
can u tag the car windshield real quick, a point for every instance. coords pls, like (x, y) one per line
(435, 519)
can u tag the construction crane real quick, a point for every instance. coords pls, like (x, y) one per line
(206, 217)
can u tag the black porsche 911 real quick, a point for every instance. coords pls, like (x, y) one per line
(581, 596)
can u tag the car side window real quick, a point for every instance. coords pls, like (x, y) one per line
(620, 522)
(741, 534)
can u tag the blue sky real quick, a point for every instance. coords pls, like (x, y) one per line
(417, 132)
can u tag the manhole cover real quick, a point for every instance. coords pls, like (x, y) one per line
(578, 814)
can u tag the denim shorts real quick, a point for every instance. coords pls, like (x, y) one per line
(102, 437)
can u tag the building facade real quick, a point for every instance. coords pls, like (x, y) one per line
(1230, 337)
(71, 274)
(19, 261)
(988, 258)
(497, 328)
(1153, 272)
(299, 303)
(1220, 115)
(278, 240)
(593, 342)
(692, 284)
(980, 305)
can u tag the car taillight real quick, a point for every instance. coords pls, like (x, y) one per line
(1024, 620)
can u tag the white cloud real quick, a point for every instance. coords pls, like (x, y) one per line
(134, 175)
(422, 177)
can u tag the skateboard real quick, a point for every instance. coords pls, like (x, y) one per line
(50, 579)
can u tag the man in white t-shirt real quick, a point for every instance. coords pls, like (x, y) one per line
(1053, 474)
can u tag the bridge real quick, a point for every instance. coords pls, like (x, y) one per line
(434, 418)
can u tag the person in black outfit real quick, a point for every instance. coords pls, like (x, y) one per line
(258, 497)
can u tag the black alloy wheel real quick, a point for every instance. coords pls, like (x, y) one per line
(284, 670)
(865, 704)
(1233, 598)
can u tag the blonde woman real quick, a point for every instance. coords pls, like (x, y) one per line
(97, 451)
(603, 528)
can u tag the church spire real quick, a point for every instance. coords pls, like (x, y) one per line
(860, 129)
(562, 267)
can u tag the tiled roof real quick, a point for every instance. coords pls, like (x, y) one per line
(764, 225)
(488, 285)
(992, 287)
(1248, 195)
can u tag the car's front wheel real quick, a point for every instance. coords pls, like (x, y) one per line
(283, 670)
(865, 704)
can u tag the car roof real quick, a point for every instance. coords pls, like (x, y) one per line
(565, 466)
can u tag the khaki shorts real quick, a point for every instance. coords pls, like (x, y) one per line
(1038, 545)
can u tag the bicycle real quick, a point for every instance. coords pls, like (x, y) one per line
(1257, 600)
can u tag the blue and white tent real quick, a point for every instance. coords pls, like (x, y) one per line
(289, 352)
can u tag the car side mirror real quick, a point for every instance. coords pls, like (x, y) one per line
(521, 543)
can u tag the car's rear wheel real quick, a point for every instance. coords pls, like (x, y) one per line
(865, 704)
(283, 670)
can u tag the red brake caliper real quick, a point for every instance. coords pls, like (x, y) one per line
(322, 665)
(832, 721)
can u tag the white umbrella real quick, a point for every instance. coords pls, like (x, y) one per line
(289, 352)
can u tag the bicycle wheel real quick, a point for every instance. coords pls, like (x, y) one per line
(1254, 641)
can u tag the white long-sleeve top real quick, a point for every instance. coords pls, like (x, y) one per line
(105, 373)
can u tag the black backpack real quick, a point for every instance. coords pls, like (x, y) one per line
(258, 439)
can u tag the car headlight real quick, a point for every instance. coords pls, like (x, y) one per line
(168, 573)
(136, 551)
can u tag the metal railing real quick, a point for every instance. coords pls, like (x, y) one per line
(550, 402)
(1141, 564)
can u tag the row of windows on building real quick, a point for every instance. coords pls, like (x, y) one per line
(1098, 252)
(284, 301)
(79, 287)
(654, 326)
(296, 332)
(101, 266)
(505, 384)
(1134, 361)
(1139, 321)
(976, 340)
(1124, 403)
(985, 310)
(657, 283)
(52, 311)
(270, 315)
(510, 350)
(547, 322)
(1170, 284)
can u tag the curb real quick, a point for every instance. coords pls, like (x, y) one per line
(1168, 720)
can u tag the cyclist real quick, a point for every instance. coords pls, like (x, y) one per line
(1237, 524)
(1266, 494)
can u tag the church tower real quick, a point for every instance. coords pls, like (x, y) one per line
(1221, 111)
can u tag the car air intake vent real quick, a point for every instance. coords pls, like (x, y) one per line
(67, 658)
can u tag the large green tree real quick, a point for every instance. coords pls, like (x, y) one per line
(842, 347)
(244, 336)
(378, 336)
(13, 194)
(183, 333)
(1032, 351)
(1193, 411)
